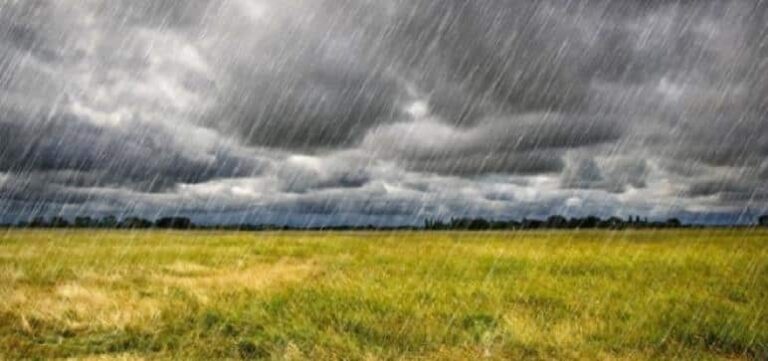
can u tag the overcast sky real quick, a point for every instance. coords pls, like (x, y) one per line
(383, 111)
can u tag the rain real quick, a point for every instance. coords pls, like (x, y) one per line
(383, 112)
(383, 179)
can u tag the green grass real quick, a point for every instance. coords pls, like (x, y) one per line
(693, 294)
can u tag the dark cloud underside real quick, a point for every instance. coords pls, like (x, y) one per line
(341, 106)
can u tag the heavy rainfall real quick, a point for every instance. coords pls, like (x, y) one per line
(384, 179)
(312, 113)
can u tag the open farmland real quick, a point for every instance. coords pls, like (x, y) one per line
(634, 295)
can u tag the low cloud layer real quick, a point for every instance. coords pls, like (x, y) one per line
(385, 112)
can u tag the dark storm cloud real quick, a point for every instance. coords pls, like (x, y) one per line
(478, 164)
(161, 14)
(31, 28)
(709, 188)
(313, 109)
(70, 152)
(26, 39)
(612, 176)
(308, 84)
(32, 188)
(491, 56)
(742, 142)
(340, 78)
(297, 176)
(476, 61)
(526, 144)
(583, 174)
(258, 98)
(328, 205)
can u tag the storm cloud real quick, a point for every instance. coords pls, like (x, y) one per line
(339, 111)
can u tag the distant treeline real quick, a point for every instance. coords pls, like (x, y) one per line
(112, 222)
(552, 222)
(108, 222)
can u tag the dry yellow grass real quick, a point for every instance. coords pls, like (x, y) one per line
(91, 304)
(107, 295)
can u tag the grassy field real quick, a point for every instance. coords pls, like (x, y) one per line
(634, 295)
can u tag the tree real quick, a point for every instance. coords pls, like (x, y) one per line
(590, 222)
(556, 221)
(479, 223)
(59, 222)
(174, 222)
(108, 222)
(38, 222)
(614, 222)
(84, 222)
(532, 223)
(135, 222)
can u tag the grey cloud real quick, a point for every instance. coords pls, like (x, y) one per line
(31, 190)
(496, 56)
(526, 144)
(583, 174)
(27, 39)
(296, 81)
(341, 205)
(344, 80)
(710, 188)
(150, 160)
(730, 190)
(161, 14)
(301, 177)
(721, 141)
(323, 108)
(513, 88)
(479, 164)
(633, 172)
(612, 175)
(763, 170)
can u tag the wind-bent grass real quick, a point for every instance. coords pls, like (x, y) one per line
(693, 294)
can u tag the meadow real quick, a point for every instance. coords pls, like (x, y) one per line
(538, 295)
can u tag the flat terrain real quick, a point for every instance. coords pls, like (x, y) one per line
(628, 295)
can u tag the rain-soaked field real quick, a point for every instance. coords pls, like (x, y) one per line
(697, 294)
